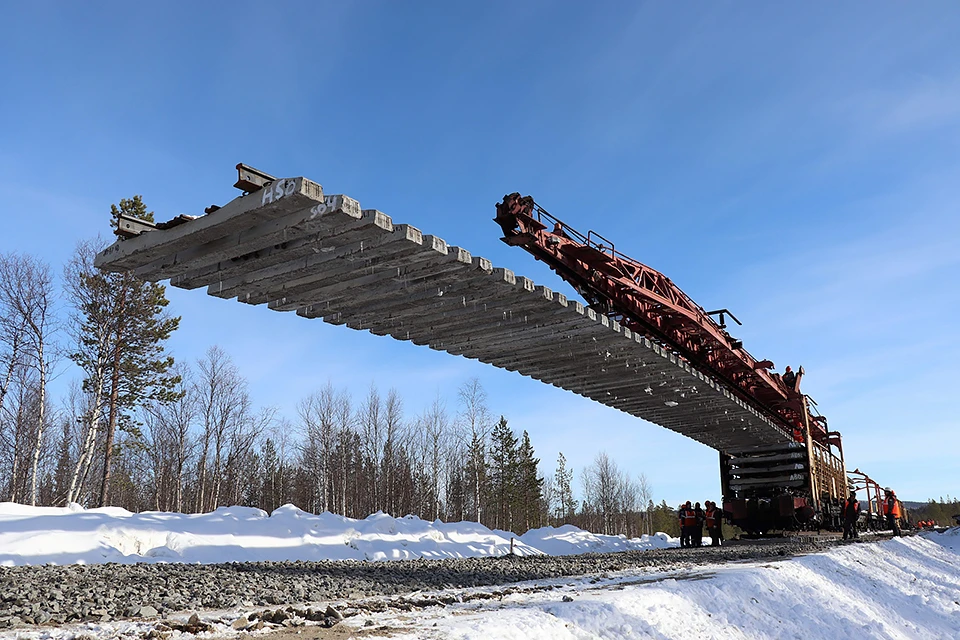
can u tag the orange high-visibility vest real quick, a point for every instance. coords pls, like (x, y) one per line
(891, 506)
(711, 518)
(689, 518)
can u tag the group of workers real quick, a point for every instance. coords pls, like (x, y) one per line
(851, 513)
(692, 520)
(851, 506)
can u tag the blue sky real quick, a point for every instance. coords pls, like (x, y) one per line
(798, 165)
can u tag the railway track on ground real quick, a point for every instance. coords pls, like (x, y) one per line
(55, 595)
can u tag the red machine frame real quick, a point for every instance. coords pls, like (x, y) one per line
(646, 301)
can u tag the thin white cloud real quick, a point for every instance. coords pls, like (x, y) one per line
(922, 104)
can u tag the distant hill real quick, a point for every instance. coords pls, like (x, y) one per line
(909, 504)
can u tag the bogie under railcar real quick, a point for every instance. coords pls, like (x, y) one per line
(788, 487)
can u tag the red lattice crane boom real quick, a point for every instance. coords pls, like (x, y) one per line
(648, 302)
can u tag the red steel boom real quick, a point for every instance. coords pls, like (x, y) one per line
(646, 301)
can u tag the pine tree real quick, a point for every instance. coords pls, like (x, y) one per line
(530, 484)
(503, 473)
(271, 476)
(564, 479)
(62, 474)
(122, 329)
(476, 473)
(665, 519)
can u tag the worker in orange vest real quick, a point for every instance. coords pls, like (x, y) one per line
(851, 513)
(891, 509)
(688, 520)
(713, 518)
(692, 521)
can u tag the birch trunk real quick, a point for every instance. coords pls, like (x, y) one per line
(85, 459)
(114, 395)
(41, 416)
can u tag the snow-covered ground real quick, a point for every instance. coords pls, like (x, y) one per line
(901, 588)
(905, 588)
(73, 535)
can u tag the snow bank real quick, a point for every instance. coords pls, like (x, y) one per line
(569, 540)
(905, 588)
(73, 535)
(949, 539)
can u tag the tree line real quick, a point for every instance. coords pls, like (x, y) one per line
(141, 431)
(944, 512)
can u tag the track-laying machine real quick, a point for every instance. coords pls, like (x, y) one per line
(798, 483)
(642, 346)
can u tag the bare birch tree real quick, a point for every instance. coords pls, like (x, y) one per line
(317, 414)
(19, 422)
(370, 420)
(243, 435)
(645, 501)
(434, 431)
(392, 448)
(345, 449)
(474, 416)
(603, 490)
(223, 403)
(27, 294)
(170, 442)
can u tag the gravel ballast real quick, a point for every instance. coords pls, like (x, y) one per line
(61, 594)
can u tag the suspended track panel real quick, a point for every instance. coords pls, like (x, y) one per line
(292, 248)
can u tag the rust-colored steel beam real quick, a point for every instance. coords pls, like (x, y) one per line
(648, 302)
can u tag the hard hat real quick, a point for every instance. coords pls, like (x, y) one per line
(887, 490)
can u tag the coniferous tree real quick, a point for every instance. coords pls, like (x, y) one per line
(270, 495)
(477, 475)
(62, 473)
(123, 328)
(566, 505)
(529, 484)
(944, 512)
(503, 473)
(665, 519)
(456, 490)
